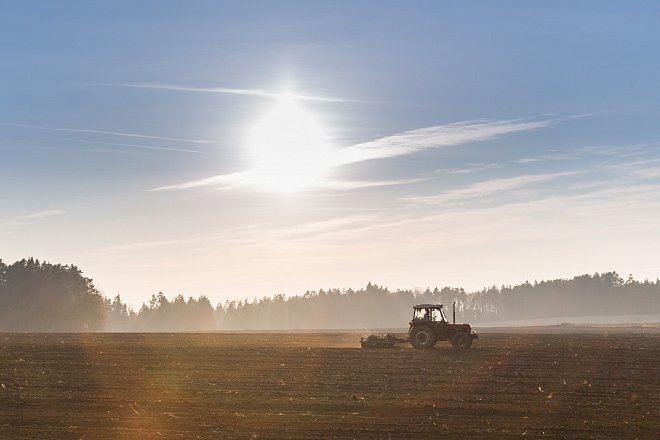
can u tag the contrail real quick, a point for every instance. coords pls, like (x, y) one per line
(111, 133)
(260, 93)
(144, 147)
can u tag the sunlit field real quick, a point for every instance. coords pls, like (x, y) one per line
(294, 385)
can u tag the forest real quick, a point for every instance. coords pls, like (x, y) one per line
(43, 297)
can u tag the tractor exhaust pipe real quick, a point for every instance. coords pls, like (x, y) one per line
(454, 312)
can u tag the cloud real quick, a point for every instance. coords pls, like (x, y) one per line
(250, 177)
(408, 142)
(259, 93)
(638, 169)
(348, 185)
(141, 246)
(245, 236)
(617, 150)
(487, 188)
(529, 160)
(232, 179)
(475, 167)
(27, 218)
(651, 173)
(528, 218)
(451, 225)
(544, 157)
(437, 136)
(316, 229)
(44, 214)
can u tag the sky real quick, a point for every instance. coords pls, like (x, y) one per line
(247, 149)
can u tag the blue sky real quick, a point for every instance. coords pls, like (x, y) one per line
(462, 144)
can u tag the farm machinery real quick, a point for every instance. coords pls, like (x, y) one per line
(428, 326)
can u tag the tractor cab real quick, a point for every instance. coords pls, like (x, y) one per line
(429, 312)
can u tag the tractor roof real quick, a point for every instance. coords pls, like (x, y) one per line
(427, 306)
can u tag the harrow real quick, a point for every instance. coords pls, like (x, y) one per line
(385, 341)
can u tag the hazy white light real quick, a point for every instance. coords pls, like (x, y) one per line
(289, 147)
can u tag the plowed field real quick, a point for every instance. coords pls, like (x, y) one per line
(309, 386)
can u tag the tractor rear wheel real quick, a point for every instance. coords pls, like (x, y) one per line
(422, 337)
(461, 340)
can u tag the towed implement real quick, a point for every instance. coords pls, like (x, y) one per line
(428, 326)
(386, 341)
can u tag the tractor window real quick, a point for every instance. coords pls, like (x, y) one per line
(429, 315)
(436, 315)
(423, 314)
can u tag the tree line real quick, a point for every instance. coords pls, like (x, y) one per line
(42, 297)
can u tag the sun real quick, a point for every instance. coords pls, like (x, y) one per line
(289, 147)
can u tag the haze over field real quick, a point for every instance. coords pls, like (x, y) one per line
(250, 149)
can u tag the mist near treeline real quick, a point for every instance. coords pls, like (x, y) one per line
(43, 297)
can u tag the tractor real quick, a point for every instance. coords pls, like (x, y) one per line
(429, 325)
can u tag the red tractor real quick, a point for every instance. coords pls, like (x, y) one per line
(429, 325)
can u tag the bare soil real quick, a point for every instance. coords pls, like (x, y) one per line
(316, 386)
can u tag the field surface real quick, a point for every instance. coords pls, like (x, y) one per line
(317, 386)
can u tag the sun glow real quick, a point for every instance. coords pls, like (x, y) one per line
(289, 147)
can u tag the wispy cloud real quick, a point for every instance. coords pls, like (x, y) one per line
(543, 158)
(141, 246)
(408, 142)
(104, 132)
(437, 136)
(475, 167)
(27, 218)
(465, 222)
(532, 218)
(529, 159)
(246, 236)
(348, 185)
(649, 173)
(542, 229)
(259, 93)
(488, 188)
(231, 179)
(316, 229)
(617, 150)
(43, 214)
(457, 225)
(638, 169)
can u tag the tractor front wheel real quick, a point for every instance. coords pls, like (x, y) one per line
(422, 338)
(461, 341)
